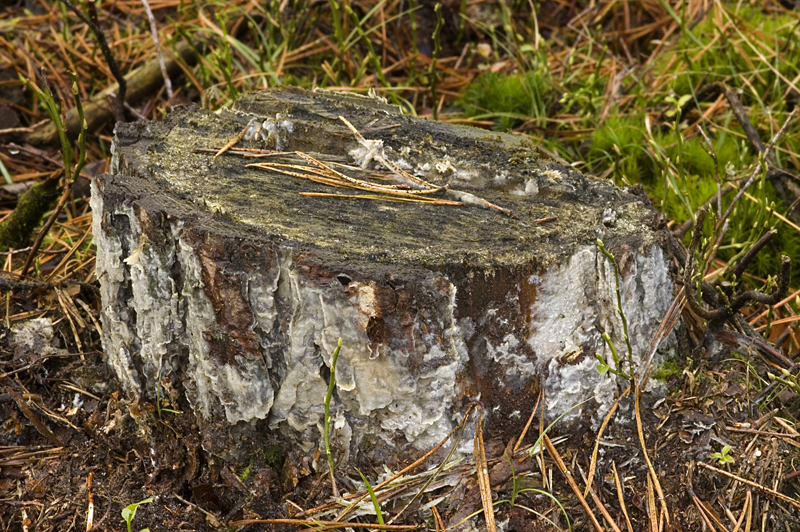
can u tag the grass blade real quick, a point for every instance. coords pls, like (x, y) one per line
(372, 496)
(327, 429)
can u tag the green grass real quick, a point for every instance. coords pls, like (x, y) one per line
(375, 504)
(327, 420)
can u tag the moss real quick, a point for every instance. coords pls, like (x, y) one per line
(269, 454)
(508, 99)
(668, 368)
(723, 62)
(273, 456)
(31, 208)
(620, 141)
(245, 472)
(620, 147)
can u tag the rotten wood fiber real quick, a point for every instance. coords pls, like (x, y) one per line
(226, 281)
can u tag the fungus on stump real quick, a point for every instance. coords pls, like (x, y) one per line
(222, 280)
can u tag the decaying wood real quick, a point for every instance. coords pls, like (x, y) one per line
(232, 282)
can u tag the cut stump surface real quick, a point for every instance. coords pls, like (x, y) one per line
(224, 284)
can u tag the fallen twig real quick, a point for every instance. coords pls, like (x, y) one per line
(769, 491)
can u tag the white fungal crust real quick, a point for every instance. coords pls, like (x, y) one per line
(576, 303)
(381, 392)
(169, 326)
(272, 131)
(159, 323)
(118, 339)
(368, 151)
(236, 285)
(32, 339)
(241, 386)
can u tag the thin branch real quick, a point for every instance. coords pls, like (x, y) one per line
(713, 154)
(691, 294)
(752, 135)
(45, 229)
(766, 299)
(751, 253)
(109, 57)
(764, 157)
(159, 54)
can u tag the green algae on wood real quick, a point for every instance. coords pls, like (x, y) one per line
(16, 230)
(503, 169)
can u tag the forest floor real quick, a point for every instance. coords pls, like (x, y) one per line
(682, 97)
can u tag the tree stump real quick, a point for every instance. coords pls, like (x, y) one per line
(223, 284)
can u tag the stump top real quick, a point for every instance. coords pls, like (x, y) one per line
(556, 207)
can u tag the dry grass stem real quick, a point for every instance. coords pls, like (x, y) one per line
(598, 438)
(239, 136)
(764, 489)
(527, 423)
(571, 481)
(598, 502)
(482, 471)
(652, 511)
(643, 446)
(665, 328)
(746, 513)
(621, 497)
(707, 515)
(410, 467)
